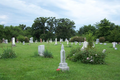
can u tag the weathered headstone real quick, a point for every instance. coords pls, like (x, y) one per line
(63, 65)
(35, 41)
(41, 49)
(13, 41)
(105, 43)
(104, 50)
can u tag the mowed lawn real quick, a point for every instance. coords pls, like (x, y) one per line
(28, 67)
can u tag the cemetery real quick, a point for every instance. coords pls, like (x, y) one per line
(29, 62)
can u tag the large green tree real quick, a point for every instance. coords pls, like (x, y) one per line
(65, 28)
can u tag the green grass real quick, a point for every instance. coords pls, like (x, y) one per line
(28, 67)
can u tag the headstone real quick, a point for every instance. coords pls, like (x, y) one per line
(114, 44)
(67, 42)
(97, 41)
(40, 40)
(79, 43)
(71, 43)
(100, 43)
(76, 42)
(6, 41)
(63, 65)
(85, 44)
(105, 43)
(43, 40)
(13, 41)
(104, 50)
(23, 42)
(31, 40)
(41, 49)
(50, 41)
(35, 41)
(55, 41)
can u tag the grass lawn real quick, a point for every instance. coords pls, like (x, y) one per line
(28, 67)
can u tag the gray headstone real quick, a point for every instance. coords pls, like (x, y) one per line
(41, 49)
(63, 65)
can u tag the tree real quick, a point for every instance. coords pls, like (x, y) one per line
(84, 30)
(2, 32)
(64, 28)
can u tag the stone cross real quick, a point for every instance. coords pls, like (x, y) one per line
(63, 65)
(41, 49)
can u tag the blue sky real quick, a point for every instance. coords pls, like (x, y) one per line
(82, 12)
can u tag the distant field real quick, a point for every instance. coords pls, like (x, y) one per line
(27, 67)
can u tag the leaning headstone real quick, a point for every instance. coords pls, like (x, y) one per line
(63, 65)
(41, 49)
(104, 50)
(13, 41)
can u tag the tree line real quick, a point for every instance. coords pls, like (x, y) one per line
(51, 28)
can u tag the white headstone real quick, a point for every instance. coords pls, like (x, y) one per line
(13, 41)
(105, 43)
(41, 49)
(67, 42)
(31, 40)
(104, 50)
(6, 41)
(23, 42)
(114, 44)
(71, 43)
(55, 41)
(63, 65)
(97, 41)
(85, 44)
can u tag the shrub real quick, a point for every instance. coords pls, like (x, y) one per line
(47, 54)
(102, 39)
(21, 38)
(90, 39)
(36, 54)
(88, 56)
(26, 39)
(8, 53)
(77, 38)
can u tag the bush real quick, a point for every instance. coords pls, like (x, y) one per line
(88, 56)
(8, 53)
(77, 38)
(47, 54)
(102, 39)
(21, 38)
(26, 39)
(90, 38)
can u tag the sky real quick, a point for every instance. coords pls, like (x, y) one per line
(82, 12)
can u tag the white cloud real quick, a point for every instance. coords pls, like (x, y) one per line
(3, 17)
(82, 12)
